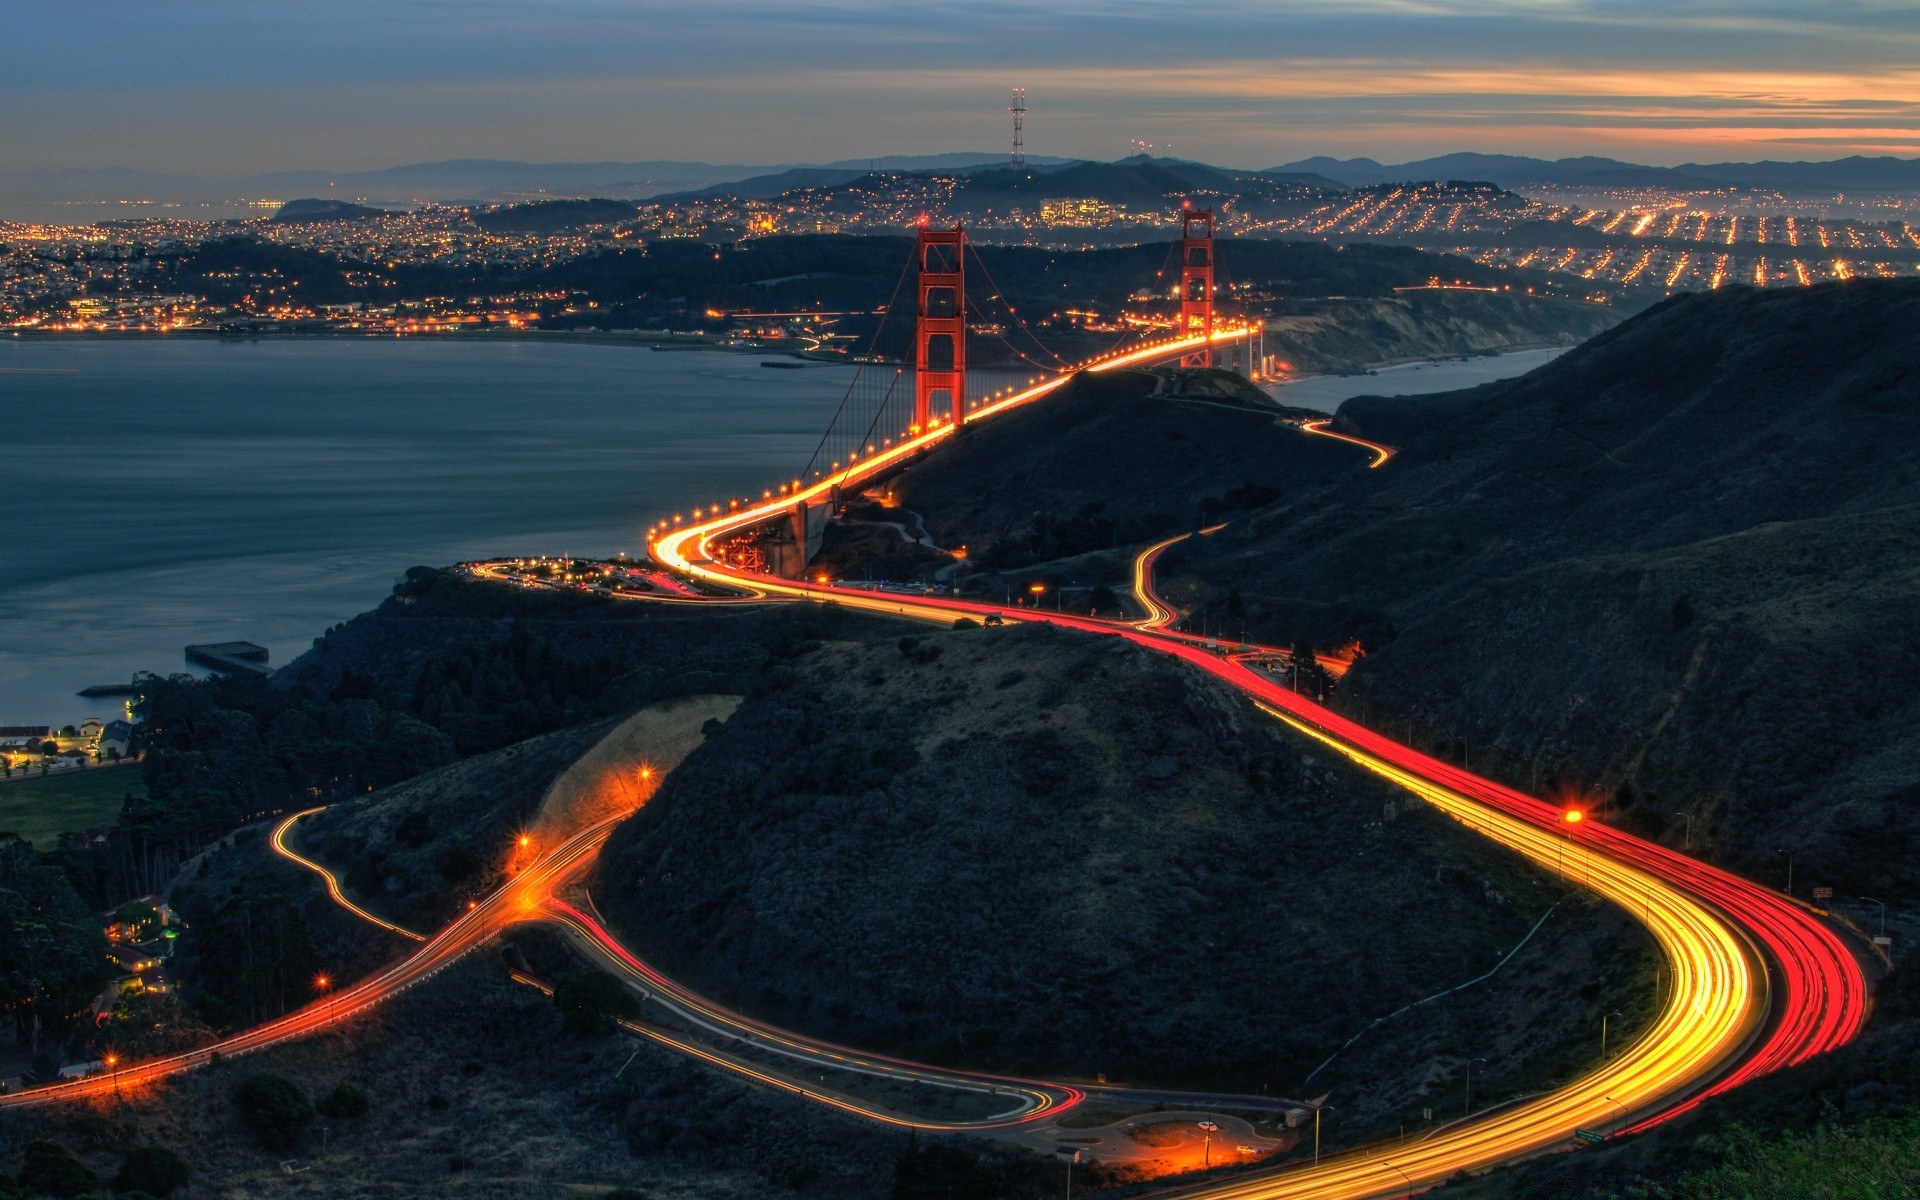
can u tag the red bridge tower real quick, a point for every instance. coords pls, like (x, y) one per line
(1196, 281)
(940, 336)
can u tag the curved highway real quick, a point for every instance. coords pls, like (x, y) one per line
(1759, 981)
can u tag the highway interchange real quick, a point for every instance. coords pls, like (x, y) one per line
(1758, 981)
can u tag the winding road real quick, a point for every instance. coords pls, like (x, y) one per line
(1759, 982)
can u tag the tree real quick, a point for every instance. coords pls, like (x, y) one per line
(254, 958)
(154, 1170)
(345, 1102)
(589, 1001)
(152, 1025)
(50, 1169)
(52, 953)
(277, 1111)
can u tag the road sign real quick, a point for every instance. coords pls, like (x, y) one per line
(1590, 1136)
(1823, 893)
(1883, 941)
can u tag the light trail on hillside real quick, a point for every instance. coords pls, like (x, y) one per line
(1760, 983)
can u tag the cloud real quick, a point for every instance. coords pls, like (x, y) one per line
(359, 83)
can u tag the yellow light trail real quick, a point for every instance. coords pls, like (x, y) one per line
(1712, 1007)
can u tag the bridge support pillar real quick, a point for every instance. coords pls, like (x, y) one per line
(1196, 281)
(795, 543)
(940, 334)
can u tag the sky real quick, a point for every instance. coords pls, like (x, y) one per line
(230, 86)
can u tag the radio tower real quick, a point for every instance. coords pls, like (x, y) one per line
(1019, 110)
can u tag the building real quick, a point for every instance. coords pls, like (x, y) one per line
(116, 740)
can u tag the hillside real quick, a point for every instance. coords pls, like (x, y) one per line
(1112, 460)
(1035, 851)
(1345, 336)
(552, 216)
(1675, 561)
(1674, 573)
(297, 212)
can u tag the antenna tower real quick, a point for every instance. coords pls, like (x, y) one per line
(1019, 110)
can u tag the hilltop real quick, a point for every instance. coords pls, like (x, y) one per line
(1034, 851)
(1671, 574)
(295, 212)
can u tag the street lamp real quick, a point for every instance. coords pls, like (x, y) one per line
(1470, 1066)
(1603, 1034)
(1687, 845)
(1403, 1175)
(1207, 1130)
(1883, 913)
(322, 983)
(1624, 1114)
(1568, 819)
(113, 1064)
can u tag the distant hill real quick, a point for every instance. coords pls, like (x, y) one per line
(302, 212)
(551, 216)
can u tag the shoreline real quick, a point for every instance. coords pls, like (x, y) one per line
(1278, 386)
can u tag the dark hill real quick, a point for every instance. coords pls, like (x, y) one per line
(1025, 849)
(301, 212)
(552, 216)
(1115, 459)
(1679, 562)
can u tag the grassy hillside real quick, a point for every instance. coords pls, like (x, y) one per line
(1028, 850)
(1353, 335)
(1673, 572)
(1675, 564)
(1112, 460)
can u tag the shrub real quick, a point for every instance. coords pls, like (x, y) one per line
(590, 1000)
(277, 1111)
(50, 1169)
(155, 1170)
(345, 1102)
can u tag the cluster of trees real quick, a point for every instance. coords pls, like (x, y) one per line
(48, 1168)
(52, 952)
(489, 693)
(281, 1115)
(221, 752)
(252, 959)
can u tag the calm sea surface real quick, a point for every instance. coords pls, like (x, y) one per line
(155, 493)
(1325, 392)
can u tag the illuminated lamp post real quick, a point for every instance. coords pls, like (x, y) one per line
(1207, 1130)
(323, 984)
(1038, 589)
(1402, 1174)
(113, 1064)
(1568, 819)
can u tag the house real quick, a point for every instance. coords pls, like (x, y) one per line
(89, 732)
(116, 740)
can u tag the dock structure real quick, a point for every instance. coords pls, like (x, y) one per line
(234, 658)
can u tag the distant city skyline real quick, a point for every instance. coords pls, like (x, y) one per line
(221, 86)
